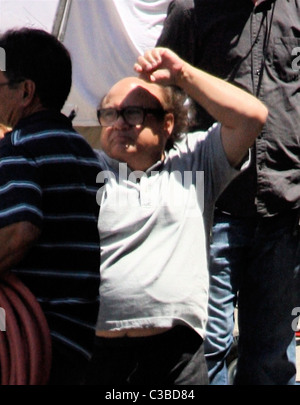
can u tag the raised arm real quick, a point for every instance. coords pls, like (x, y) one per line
(242, 115)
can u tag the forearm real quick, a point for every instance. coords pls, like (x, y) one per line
(234, 108)
(15, 241)
(241, 114)
(229, 105)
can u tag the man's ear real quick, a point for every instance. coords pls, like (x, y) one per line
(168, 124)
(28, 87)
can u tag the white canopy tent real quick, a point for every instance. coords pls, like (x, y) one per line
(32, 13)
(104, 38)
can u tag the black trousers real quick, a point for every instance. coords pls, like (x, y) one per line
(175, 357)
(68, 366)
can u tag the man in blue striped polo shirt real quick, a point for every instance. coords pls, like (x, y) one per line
(48, 209)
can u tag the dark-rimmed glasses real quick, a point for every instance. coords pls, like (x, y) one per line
(131, 115)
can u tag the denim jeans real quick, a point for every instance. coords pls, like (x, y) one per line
(256, 260)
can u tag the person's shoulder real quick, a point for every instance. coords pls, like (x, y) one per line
(200, 136)
(181, 6)
(187, 144)
(104, 160)
(100, 154)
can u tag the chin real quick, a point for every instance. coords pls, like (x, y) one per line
(119, 153)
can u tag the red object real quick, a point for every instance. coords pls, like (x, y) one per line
(25, 346)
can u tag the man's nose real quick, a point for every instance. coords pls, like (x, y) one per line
(121, 123)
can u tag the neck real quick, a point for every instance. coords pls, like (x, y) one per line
(32, 109)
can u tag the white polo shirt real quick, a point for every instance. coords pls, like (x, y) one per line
(154, 230)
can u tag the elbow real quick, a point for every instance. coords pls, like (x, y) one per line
(253, 123)
(238, 140)
(262, 116)
(258, 119)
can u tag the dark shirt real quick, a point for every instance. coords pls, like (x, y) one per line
(48, 177)
(256, 49)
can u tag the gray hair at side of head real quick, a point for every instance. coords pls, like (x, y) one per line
(178, 103)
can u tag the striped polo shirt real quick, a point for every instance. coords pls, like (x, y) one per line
(48, 177)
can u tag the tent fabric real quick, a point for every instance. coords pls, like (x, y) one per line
(104, 38)
(29, 13)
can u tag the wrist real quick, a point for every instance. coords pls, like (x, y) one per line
(182, 76)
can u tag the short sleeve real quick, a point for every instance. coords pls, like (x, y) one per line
(20, 189)
(209, 156)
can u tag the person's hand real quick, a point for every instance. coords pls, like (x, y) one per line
(160, 65)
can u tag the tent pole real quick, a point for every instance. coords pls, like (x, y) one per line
(61, 18)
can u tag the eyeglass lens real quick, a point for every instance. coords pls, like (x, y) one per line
(131, 115)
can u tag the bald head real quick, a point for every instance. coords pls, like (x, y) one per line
(132, 89)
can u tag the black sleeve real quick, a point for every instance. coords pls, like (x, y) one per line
(178, 29)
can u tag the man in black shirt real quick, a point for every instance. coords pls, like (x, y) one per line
(255, 244)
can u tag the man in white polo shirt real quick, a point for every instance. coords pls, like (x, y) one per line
(155, 217)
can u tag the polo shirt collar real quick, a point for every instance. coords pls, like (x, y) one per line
(40, 120)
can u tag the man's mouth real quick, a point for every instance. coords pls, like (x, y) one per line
(123, 139)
